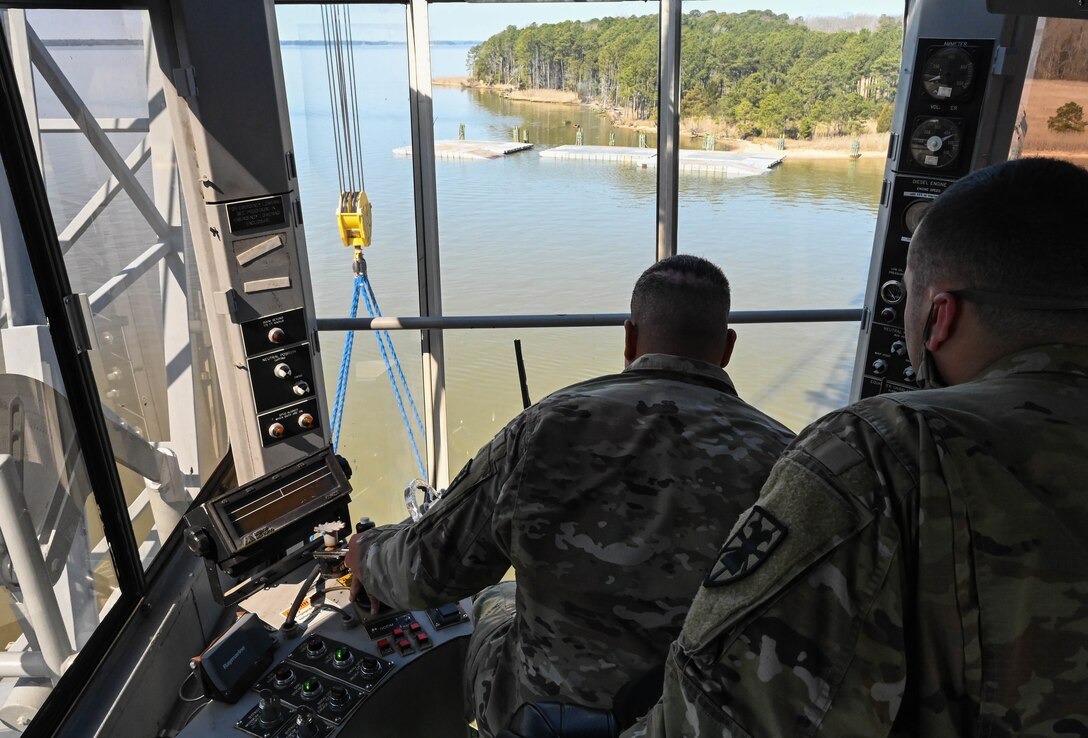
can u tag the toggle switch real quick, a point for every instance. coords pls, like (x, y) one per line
(282, 370)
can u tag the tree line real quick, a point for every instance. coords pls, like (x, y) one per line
(761, 72)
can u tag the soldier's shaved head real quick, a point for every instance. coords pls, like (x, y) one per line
(680, 306)
(1018, 229)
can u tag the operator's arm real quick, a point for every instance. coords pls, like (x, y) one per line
(798, 629)
(459, 546)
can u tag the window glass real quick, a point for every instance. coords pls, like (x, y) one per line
(115, 199)
(373, 436)
(784, 126)
(57, 579)
(1052, 121)
(566, 226)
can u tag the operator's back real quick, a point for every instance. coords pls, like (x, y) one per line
(628, 486)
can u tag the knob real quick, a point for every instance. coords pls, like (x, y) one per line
(342, 658)
(880, 366)
(270, 711)
(306, 421)
(908, 374)
(370, 667)
(315, 647)
(301, 388)
(276, 430)
(276, 335)
(283, 676)
(338, 698)
(888, 315)
(305, 725)
(364, 525)
(312, 688)
(199, 542)
(899, 348)
(282, 370)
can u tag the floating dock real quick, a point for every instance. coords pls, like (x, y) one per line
(470, 149)
(728, 163)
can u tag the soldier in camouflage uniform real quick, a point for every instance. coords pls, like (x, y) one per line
(917, 564)
(609, 499)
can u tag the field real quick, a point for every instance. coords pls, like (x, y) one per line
(1041, 99)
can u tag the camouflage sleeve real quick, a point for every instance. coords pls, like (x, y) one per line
(798, 629)
(460, 545)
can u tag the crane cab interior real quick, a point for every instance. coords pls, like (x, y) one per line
(172, 506)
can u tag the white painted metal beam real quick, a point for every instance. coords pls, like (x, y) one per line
(70, 99)
(427, 252)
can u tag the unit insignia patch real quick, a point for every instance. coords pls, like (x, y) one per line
(747, 549)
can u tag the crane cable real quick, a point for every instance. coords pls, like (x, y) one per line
(354, 213)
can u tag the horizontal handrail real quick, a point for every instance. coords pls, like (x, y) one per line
(563, 320)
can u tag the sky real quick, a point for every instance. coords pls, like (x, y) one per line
(477, 21)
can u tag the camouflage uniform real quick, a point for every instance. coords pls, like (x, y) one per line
(915, 566)
(610, 499)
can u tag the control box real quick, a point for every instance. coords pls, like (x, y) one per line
(932, 148)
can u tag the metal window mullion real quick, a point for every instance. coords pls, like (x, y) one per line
(427, 252)
(668, 127)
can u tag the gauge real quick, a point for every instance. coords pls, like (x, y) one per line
(935, 142)
(914, 213)
(948, 73)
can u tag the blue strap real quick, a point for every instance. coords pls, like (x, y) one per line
(384, 335)
(345, 365)
(385, 346)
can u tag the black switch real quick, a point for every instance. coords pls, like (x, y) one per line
(449, 614)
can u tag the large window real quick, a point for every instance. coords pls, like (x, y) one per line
(1052, 120)
(785, 123)
(565, 226)
(373, 437)
(93, 94)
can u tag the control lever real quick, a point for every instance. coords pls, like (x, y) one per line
(417, 505)
(305, 724)
(271, 711)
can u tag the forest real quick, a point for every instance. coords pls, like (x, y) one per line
(760, 72)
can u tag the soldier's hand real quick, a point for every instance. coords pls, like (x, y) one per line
(354, 559)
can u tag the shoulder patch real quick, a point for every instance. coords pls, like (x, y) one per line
(747, 549)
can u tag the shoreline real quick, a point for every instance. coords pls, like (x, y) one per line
(873, 145)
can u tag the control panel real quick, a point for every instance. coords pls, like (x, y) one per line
(337, 681)
(932, 148)
(281, 375)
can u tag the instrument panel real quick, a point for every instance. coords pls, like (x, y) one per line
(933, 148)
(328, 680)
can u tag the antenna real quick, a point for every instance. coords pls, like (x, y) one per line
(525, 401)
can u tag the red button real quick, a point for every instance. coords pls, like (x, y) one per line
(383, 644)
(414, 627)
(404, 644)
(398, 632)
(422, 638)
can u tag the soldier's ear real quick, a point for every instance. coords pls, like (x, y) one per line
(630, 342)
(730, 343)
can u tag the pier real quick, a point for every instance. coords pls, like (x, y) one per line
(727, 163)
(460, 149)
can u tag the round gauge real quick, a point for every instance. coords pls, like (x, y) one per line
(935, 142)
(914, 214)
(948, 73)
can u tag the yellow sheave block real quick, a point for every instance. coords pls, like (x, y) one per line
(356, 219)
